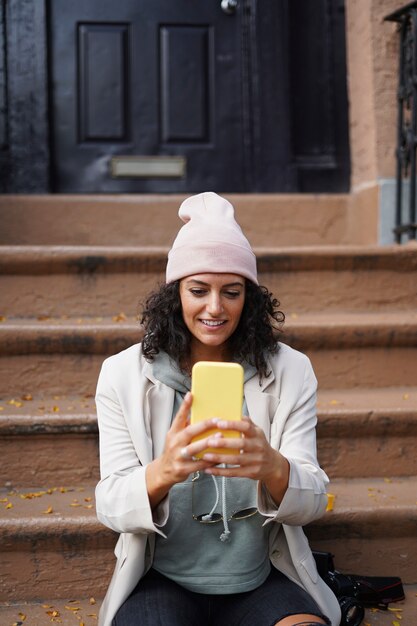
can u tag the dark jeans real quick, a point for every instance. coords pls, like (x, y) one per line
(159, 601)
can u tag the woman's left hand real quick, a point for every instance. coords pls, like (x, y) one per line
(252, 457)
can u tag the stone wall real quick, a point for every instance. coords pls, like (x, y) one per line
(372, 68)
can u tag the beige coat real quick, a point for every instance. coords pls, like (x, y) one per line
(134, 413)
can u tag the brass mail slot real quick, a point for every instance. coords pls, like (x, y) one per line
(148, 166)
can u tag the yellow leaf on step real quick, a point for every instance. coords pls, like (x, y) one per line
(48, 511)
(330, 501)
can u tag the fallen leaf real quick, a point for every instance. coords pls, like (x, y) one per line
(387, 480)
(121, 317)
(47, 606)
(4, 500)
(32, 494)
(53, 613)
(406, 396)
(14, 402)
(27, 397)
(22, 616)
(395, 623)
(55, 409)
(87, 499)
(2, 318)
(93, 601)
(9, 506)
(394, 610)
(48, 511)
(334, 402)
(88, 506)
(72, 608)
(56, 397)
(43, 318)
(1, 408)
(330, 501)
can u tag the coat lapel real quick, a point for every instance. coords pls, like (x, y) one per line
(261, 405)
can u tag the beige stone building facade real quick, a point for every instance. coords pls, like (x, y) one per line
(372, 70)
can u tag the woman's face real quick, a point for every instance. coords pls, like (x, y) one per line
(211, 306)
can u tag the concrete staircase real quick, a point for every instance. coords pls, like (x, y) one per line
(70, 297)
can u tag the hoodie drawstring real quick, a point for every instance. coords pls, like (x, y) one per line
(225, 536)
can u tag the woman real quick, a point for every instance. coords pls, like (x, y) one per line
(175, 565)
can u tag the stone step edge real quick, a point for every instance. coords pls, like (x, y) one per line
(357, 516)
(40, 612)
(355, 423)
(359, 331)
(33, 260)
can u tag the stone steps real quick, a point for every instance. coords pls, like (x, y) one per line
(73, 270)
(71, 611)
(360, 431)
(313, 279)
(347, 349)
(53, 546)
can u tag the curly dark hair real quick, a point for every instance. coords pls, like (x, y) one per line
(253, 338)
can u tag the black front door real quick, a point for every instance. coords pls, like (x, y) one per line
(191, 95)
(148, 78)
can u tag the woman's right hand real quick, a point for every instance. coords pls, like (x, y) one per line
(176, 462)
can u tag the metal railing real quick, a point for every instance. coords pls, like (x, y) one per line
(406, 17)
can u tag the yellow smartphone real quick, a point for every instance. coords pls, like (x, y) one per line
(217, 389)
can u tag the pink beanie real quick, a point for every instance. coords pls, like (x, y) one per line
(211, 241)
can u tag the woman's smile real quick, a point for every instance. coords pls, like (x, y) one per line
(213, 323)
